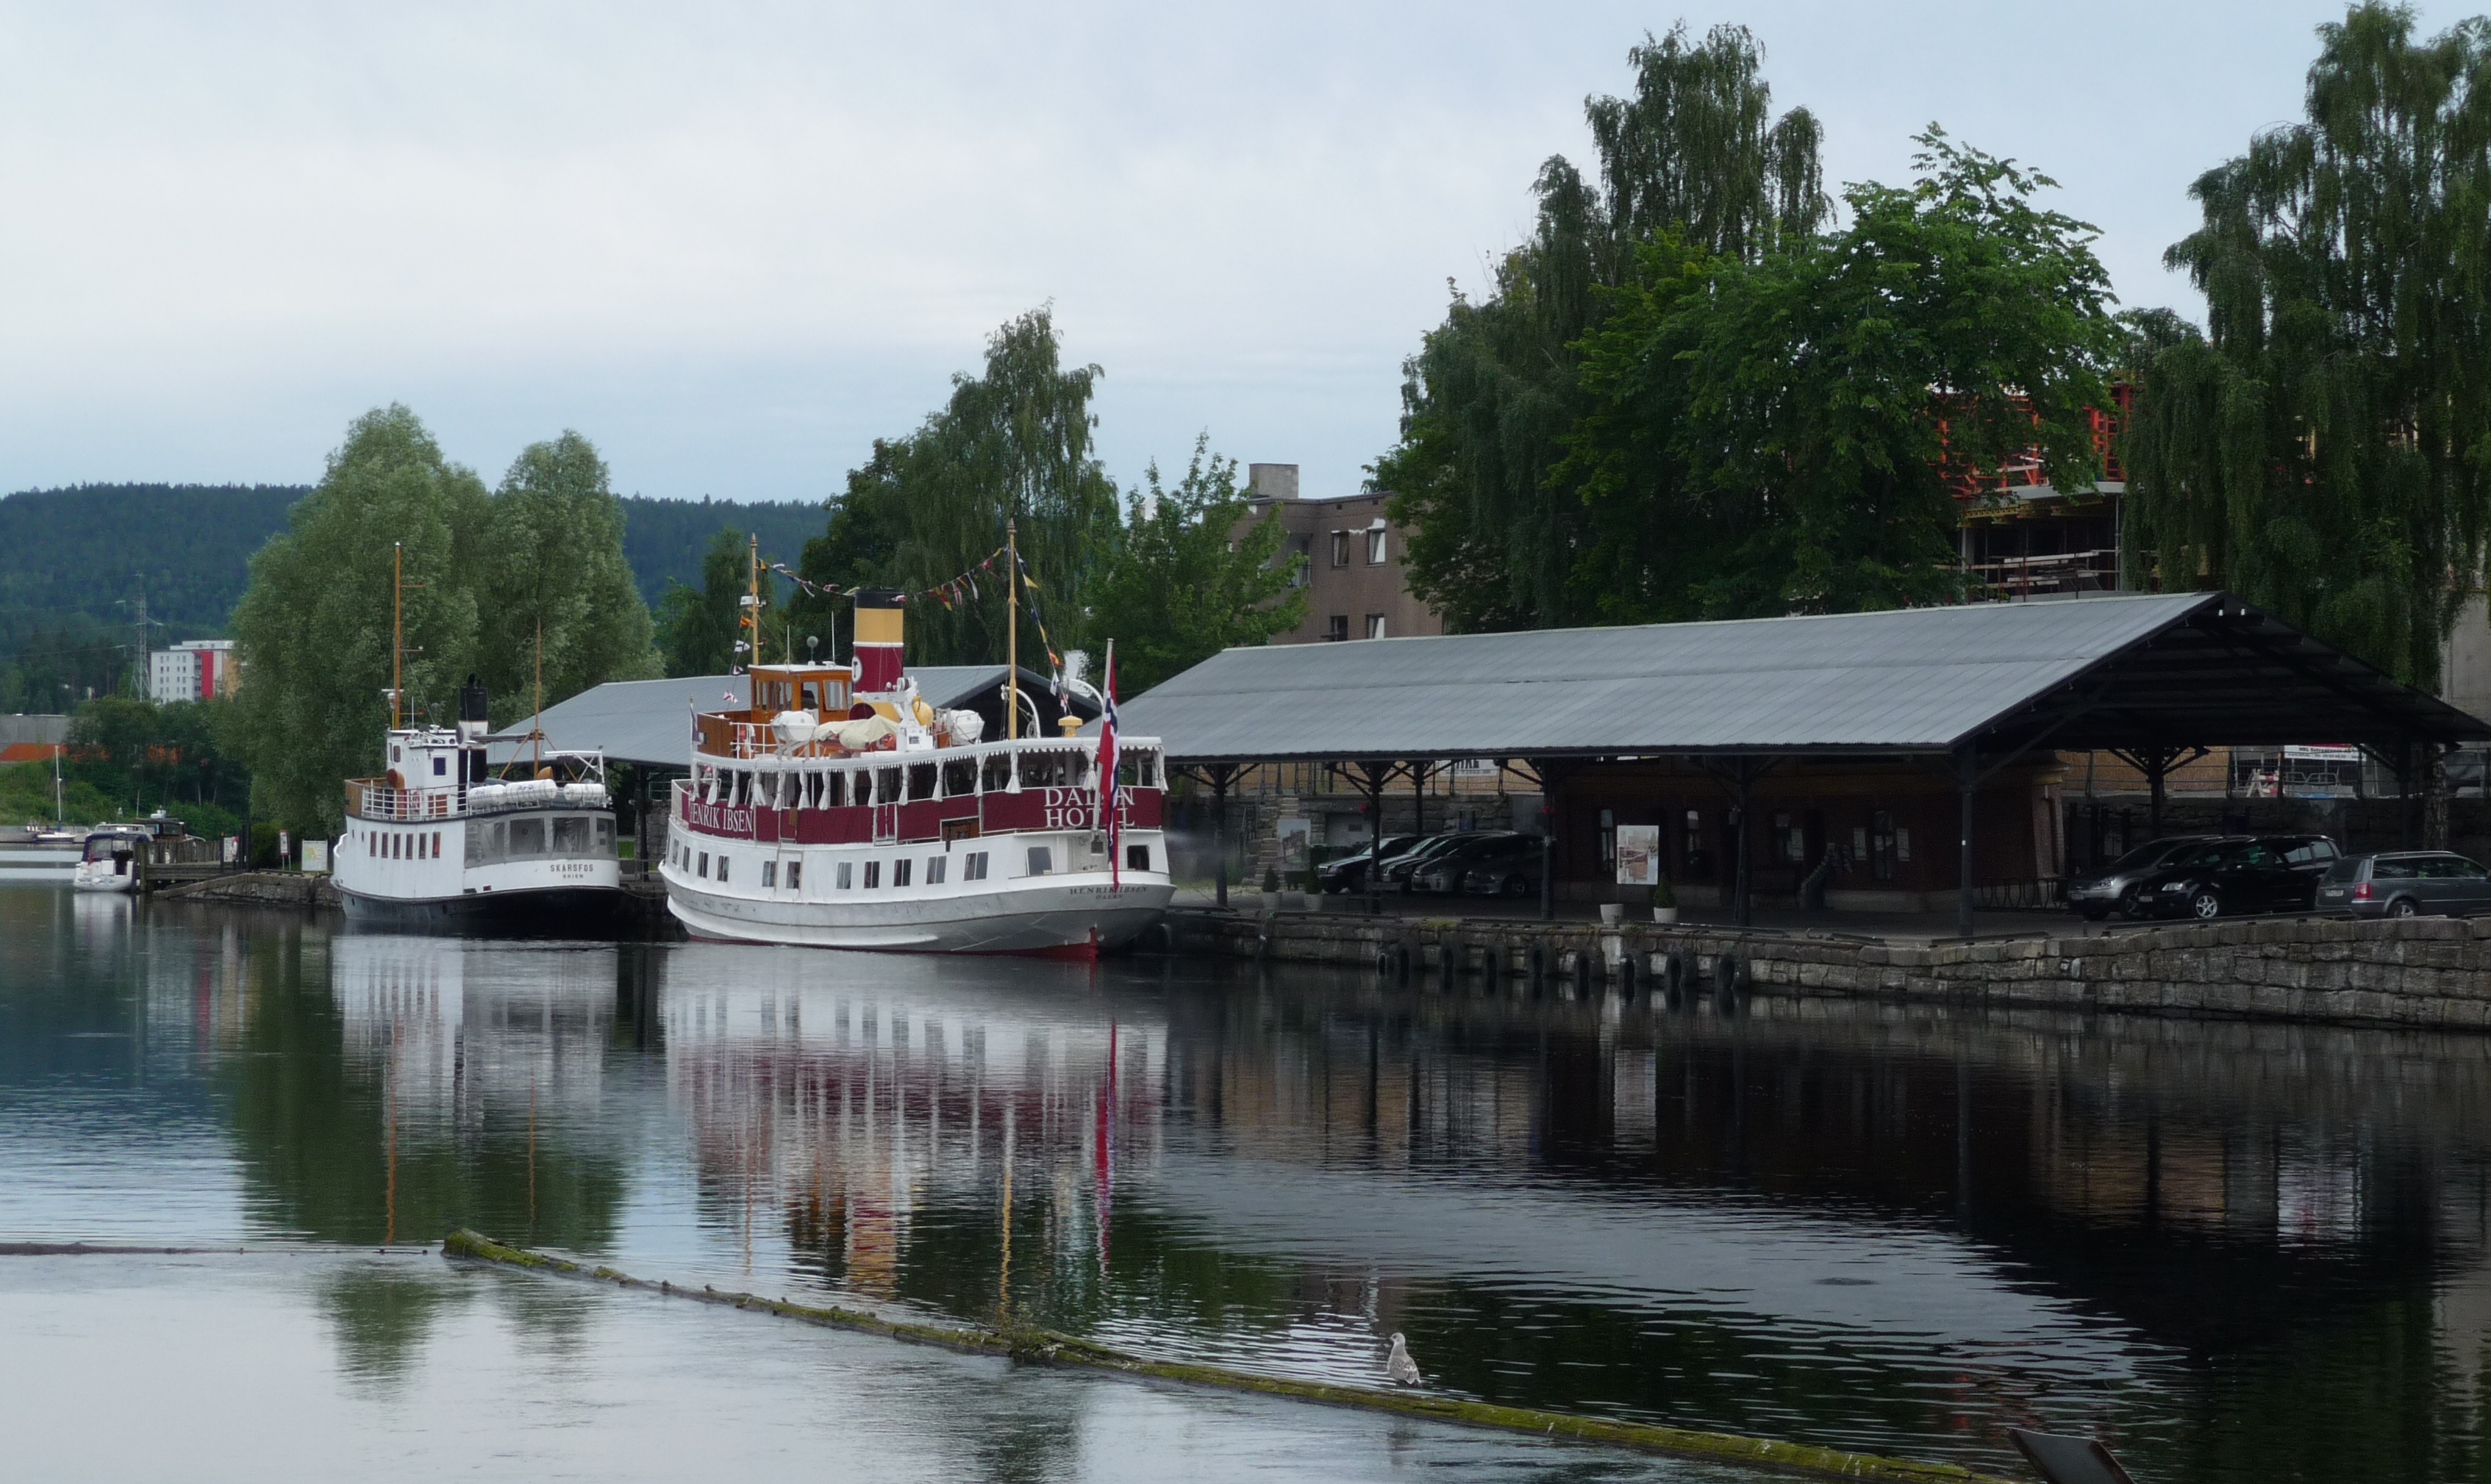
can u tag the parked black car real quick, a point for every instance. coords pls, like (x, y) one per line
(2407, 884)
(2238, 873)
(2113, 889)
(1445, 870)
(1509, 868)
(1398, 870)
(1349, 872)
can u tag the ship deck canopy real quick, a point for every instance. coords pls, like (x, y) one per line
(648, 723)
(2134, 673)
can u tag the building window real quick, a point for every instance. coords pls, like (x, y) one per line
(1375, 547)
(1301, 566)
(1608, 837)
(1881, 845)
(769, 875)
(934, 868)
(873, 875)
(977, 867)
(1793, 843)
(1137, 858)
(1340, 548)
(1337, 628)
(1041, 860)
(1697, 862)
(847, 875)
(1375, 626)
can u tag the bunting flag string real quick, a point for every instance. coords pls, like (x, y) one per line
(950, 593)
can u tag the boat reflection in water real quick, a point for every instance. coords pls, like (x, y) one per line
(1897, 1228)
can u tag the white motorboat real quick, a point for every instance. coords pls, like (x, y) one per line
(112, 857)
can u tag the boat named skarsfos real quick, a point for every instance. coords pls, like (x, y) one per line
(439, 842)
(839, 809)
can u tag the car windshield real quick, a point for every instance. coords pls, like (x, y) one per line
(2149, 853)
(2214, 854)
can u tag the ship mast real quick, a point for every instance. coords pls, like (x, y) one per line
(536, 727)
(752, 603)
(398, 629)
(1012, 631)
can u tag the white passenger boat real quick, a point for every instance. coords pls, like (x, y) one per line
(110, 858)
(443, 842)
(840, 809)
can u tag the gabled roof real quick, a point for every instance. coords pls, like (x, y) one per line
(2184, 669)
(649, 722)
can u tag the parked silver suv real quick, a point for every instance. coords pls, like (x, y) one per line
(2406, 884)
(2097, 894)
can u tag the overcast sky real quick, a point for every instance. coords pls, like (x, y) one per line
(733, 245)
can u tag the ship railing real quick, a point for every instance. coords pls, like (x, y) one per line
(368, 800)
(373, 800)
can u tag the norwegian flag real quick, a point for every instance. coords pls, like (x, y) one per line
(1107, 811)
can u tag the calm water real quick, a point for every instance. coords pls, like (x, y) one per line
(2240, 1253)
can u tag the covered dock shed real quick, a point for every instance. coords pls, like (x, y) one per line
(1919, 736)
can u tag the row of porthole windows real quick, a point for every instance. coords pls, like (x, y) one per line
(973, 867)
(403, 844)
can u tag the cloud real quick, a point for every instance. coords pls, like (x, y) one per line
(735, 243)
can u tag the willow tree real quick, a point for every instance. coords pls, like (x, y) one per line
(557, 581)
(2322, 449)
(314, 628)
(1697, 153)
(1012, 443)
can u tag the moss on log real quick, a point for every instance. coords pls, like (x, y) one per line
(1041, 1347)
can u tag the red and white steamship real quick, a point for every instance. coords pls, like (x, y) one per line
(838, 808)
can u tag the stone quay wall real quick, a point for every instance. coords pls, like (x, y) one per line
(257, 888)
(2420, 972)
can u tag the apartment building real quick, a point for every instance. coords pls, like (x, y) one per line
(192, 670)
(1355, 582)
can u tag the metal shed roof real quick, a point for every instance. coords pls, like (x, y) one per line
(2195, 668)
(649, 722)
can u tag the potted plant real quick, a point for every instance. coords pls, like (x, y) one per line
(1271, 889)
(1664, 902)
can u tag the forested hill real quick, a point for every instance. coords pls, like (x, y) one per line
(665, 538)
(73, 554)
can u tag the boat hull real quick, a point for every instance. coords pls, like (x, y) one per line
(548, 912)
(85, 878)
(1076, 918)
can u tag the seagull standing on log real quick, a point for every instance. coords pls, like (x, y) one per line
(1398, 1365)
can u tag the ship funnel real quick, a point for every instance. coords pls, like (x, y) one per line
(472, 710)
(880, 653)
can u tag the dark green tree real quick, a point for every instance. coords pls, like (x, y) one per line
(314, 628)
(1493, 391)
(696, 626)
(2325, 448)
(557, 575)
(1014, 443)
(1192, 575)
(1775, 437)
(856, 549)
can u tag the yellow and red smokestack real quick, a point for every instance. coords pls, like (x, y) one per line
(880, 627)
